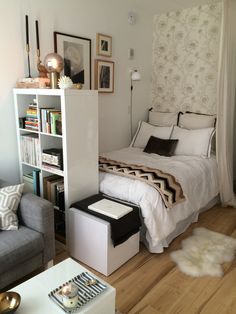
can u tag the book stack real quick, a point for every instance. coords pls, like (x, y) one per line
(31, 182)
(30, 149)
(31, 120)
(52, 159)
(51, 121)
(54, 191)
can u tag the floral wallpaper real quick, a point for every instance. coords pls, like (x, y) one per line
(185, 59)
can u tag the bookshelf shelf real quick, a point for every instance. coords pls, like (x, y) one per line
(30, 165)
(49, 134)
(75, 136)
(53, 171)
(27, 130)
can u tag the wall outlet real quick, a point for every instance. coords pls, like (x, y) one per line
(131, 53)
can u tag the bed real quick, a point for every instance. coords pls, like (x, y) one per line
(197, 175)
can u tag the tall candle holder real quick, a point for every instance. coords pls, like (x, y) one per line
(41, 68)
(27, 43)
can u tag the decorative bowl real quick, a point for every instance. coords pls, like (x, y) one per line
(9, 302)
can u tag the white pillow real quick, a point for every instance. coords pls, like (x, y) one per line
(9, 200)
(145, 130)
(163, 118)
(196, 121)
(193, 142)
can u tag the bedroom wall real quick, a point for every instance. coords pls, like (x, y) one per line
(185, 59)
(82, 18)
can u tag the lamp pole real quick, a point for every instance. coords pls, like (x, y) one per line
(134, 76)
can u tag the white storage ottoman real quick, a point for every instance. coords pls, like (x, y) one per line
(90, 242)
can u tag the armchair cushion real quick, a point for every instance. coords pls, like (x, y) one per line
(19, 246)
(38, 214)
(9, 200)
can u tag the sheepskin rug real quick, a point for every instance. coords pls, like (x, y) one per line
(203, 253)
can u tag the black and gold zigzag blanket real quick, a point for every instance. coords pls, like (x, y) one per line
(165, 183)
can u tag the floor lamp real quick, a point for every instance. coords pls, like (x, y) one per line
(134, 76)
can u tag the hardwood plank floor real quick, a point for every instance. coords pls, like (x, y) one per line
(151, 283)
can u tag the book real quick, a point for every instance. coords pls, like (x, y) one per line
(54, 116)
(36, 182)
(53, 157)
(51, 189)
(50, 179)
(31, 182)
(110, 208)
(59, 196)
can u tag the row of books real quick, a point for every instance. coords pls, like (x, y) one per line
(51, 121)
(31, 182)
(53, 187)
(30, 149)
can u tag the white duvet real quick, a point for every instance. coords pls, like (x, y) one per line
(197, 176)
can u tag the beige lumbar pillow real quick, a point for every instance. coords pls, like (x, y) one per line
(9, 200)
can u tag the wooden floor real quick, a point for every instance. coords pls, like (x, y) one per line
(151, 283)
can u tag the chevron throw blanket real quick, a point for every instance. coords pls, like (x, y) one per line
(166, 184)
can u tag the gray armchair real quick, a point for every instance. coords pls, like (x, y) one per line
(31, 246)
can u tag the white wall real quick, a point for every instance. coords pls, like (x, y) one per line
(82, 18)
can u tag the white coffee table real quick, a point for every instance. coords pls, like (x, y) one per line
(34, 292)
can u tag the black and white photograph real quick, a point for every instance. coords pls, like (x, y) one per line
(104, 76)
(76, 52)
(104, 45)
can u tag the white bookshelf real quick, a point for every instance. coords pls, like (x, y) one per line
(79, 139)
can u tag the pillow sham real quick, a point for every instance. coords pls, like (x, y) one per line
(160, 146)
(145, 130)
(196, 121)
(163, 118)
(9, 200)
(193, 142)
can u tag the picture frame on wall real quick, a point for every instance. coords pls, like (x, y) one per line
(104, 45)
(76, 53)
(104, 76)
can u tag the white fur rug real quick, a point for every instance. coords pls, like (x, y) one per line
(203, 253)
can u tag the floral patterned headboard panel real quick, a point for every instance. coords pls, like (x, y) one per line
(185, 59)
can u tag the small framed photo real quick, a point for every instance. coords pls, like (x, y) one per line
(104, 76)
(104, 45)
(76, 52)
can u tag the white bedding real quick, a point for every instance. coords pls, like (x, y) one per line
(197, 176)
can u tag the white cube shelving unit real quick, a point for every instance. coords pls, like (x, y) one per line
(79, 139)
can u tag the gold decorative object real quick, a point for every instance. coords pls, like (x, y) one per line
(54, 65)
(9, 302)
(78, 86)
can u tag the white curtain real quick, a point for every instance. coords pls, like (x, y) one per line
(226, 127)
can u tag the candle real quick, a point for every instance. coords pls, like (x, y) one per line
(37, 35)
(70, 295)
(27, 30)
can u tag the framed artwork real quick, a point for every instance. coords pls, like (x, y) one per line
(104, 45)
(104, 76)
(76, 52)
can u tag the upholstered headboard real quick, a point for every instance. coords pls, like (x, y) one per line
(185, 59)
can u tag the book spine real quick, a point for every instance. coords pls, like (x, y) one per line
(36, 182)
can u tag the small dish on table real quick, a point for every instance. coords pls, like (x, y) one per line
(9, 302)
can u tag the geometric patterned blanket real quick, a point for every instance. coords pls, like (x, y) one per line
(165, 183)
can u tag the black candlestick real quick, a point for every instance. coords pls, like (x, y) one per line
(27, 30)
(37, 35)
(27, 42)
